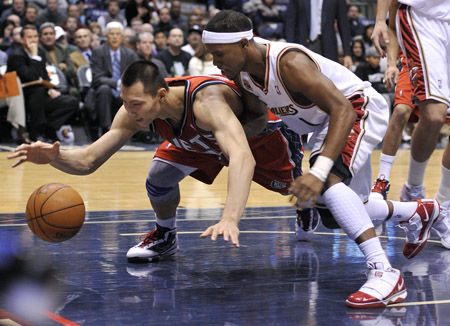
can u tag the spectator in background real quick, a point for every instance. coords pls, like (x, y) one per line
(304, 27)
(129, 38)
(160, 41)
(146, 27)
(194, 39)
(56, 54)
(356, 25)
(17, 8)
(144, 47)
(73, 12)
(139, 9)
(16, 108)
(70, 26)
(358, 53)
(268, 20)
(15, 39)
(136, 24)
(108, 61)
(193, 20)
(82, 56)
(30, 17)
(5, 34)
(175, 59)
(97, 30)
(47, 108)
(366, 36)
(177, 18)
(371, 71)
(52, 14)
(83, 16)
(157, 5)
(15, 19)
(113, 15)
(164, 22)
(96, 42)
(202, 62)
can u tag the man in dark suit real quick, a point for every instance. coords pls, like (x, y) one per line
(46, 108)
(108, 61)
(311, 23)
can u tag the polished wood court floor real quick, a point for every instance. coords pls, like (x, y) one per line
(272, 279)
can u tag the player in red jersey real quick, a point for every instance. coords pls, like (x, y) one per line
(198, 117)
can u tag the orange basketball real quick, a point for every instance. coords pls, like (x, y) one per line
(55, 212)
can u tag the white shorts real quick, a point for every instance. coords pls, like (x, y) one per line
(367, 133)
(425, 42)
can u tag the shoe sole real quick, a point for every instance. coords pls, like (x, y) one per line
(419, 248)
(153, 259)
(397, 297)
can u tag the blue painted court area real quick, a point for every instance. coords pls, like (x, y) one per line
(272, 279)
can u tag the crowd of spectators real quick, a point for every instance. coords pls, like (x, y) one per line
(69, 43)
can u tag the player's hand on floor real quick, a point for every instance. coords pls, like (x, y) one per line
(38, 153)
(227, 229)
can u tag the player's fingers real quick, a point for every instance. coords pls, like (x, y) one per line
(22, 160)
(235, 240)
(16, 154)
(206, 233)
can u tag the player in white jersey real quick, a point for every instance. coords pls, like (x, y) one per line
(423, 32)
(347, 118)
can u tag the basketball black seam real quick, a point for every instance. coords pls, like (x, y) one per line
(34, 199)
(60, 210)
(49, 196)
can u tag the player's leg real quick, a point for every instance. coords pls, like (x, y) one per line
(442, 226)
(163, 191)
(391, 143)
(423, 142)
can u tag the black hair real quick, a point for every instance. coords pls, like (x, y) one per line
(147, 73)
(228, 21)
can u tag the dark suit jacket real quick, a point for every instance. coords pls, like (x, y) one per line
(101, 65)
(298, 21)
(27, 69)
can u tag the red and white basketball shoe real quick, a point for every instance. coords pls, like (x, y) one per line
(383, 286)
(419, 225)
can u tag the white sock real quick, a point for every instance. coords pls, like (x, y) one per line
(416, 171)
(373, 252)
(403, 211)
(377, 209)
(386, 162)
(347, 209)
(170, 223)
(443, 193)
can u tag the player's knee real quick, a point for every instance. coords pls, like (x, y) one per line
(158, 192)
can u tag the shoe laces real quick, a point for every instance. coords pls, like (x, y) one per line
(149, 237)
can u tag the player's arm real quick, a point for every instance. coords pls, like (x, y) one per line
(254, 116)
(231, 138)
(79, 161)
(392, 50)
(380, 31)
(300, 74)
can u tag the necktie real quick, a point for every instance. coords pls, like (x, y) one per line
(116, 72)
(88, 56)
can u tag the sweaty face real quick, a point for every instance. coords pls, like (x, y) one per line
(229, 58)
(140, 107)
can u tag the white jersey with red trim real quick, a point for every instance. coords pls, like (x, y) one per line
(299, 114)
(437, 9)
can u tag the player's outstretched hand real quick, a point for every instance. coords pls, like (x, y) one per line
(306, 190)
(380, 37)
(228, 229)
(38, 153)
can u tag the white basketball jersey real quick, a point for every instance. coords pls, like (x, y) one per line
(302, 119)
(437, 9)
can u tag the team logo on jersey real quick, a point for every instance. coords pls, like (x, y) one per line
(246, 85)
(278, 90)
(276, 184)
(284, 110)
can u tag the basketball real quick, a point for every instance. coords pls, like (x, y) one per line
(55, 212)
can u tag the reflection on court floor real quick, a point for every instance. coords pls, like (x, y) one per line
(272, 279)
